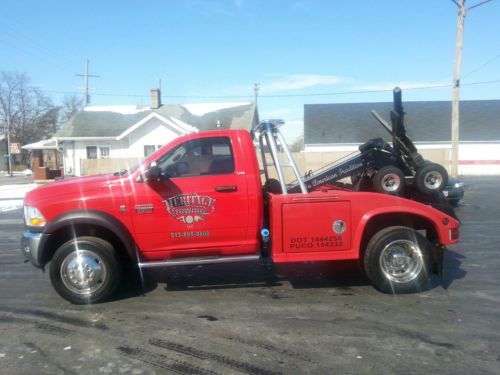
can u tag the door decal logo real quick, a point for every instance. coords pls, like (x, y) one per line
(190, 208)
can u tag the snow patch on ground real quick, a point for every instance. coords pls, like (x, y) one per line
(201, 109)
(11, 196)
(121, 109)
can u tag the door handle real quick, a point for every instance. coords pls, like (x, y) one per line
(228, 188)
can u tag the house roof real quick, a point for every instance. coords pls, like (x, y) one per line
(48, 144)
(424, 121)
(113, 121)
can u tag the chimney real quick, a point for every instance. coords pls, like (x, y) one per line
(155, 98)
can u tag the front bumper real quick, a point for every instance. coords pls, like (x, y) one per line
(30, 247)
(453, 193)
(454, 190)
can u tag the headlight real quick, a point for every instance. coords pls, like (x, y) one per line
(458, 185)
(33, 217)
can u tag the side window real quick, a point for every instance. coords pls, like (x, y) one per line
(104, 152)
(207, 156)
(148, 150)
(91, 152)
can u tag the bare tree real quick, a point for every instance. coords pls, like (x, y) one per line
(26, 114)
(23, 109)
(71, 105)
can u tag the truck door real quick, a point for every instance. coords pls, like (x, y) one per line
(199, 207)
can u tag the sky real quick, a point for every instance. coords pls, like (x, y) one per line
(300, 52)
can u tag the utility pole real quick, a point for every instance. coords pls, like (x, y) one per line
(9, 154)
(256, 88)
(455, 103)
(86, 75)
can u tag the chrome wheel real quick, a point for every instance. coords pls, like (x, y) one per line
(83, 272)
(401, 261)
(433, 180)
(391, 182)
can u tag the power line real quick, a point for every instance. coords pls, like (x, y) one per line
(37, 48)
(349, 92)
(47, 47)
(482, 66)
(428, 87)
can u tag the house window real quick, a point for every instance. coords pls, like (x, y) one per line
(104, 152)
(91, 152)
(206, 156)
(148, 150)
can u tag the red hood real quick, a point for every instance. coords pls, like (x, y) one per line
(75, 186)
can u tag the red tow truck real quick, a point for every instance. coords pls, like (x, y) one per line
(201, 199)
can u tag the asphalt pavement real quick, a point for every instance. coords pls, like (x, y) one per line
(256, 318)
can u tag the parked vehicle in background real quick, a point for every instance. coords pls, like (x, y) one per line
(454, 191)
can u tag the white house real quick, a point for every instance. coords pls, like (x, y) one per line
(133, 132)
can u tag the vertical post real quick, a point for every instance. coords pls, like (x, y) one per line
(9, 155)
(86, 78)
(397, 119)
(455, 104)
(86, 75)
(256, 88)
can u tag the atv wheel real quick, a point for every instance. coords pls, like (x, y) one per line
(431, 178)
(85, 270)
(389, 180)
(398, 260)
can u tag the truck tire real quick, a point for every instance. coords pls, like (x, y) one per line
(85, 270)
(431, 178)
(389, 180)
(398, 260)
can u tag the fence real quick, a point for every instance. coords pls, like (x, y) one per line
(108, 165)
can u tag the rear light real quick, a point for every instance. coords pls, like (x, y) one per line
(454, 234)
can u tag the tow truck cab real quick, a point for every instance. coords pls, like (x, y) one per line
(200, 199)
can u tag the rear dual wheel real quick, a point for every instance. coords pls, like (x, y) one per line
(398, 260)
(85, 270)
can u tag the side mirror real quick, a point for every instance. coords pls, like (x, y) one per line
(153, 173)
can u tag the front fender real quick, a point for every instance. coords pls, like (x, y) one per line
(86, 217)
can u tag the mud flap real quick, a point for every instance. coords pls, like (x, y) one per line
(439, 261)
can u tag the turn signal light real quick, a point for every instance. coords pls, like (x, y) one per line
(454, 233)
(37, 222)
